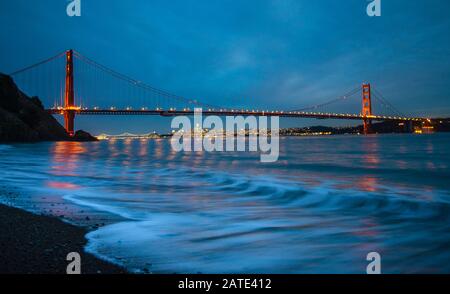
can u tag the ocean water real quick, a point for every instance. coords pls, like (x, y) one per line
(321, 208)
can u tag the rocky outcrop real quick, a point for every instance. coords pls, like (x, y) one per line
(82, 136)
(23, 119)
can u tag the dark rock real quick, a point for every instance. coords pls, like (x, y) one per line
(24, 119)
(12, 128)
(37, 102)
(9, 94)
(82, 136)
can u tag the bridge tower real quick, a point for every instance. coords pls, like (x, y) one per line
(366, 108)
(69, 111)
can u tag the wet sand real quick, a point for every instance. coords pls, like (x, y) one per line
(35, 244)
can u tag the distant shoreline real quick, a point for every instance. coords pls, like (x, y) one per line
(441, 125)
(300, 135)
(38, 244)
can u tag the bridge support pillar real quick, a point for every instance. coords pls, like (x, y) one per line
(69, 100)
(366, 108)
(409, 127)
(69, 121)
(367, 126)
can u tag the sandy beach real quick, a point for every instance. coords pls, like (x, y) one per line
(35, 244)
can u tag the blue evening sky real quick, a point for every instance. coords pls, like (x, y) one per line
(249, 53)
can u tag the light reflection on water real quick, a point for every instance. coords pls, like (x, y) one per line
(320, 209)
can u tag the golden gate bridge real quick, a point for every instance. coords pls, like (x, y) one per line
(75, 85)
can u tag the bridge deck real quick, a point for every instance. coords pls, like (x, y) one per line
(291, 114)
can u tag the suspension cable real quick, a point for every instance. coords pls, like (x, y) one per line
(37, 64)
(138, 83)
(340, 98)
(379, 96)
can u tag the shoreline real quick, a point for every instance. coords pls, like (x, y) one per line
(300, 135)
(39, 244)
